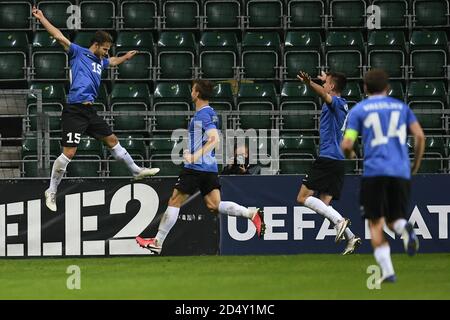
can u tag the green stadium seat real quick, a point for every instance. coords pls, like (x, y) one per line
(430, 13)
(161, 147)
(87, 161)
(49, 61)
(260, 51)
(134, 40)
(396, 90)
(222, 98)
(222, 101)
(51, 92)
(138, 14)
(386, 50)
(102, 102)
(297, 153)
(97, 14)
(90, 146)
(57, 13)
(428, 57)
(83, 38)
(352, 93)
(49, 66)
(180, 14)
(53, 100)
(15, 15)
(264, 14)
(302, 52)
(135, 146)
(176, 55)
(433, 157)
(304, 14)
(29, 145)
(54, 121)
(140, 67)
(85, 166)
(430, 98)
(348, 13)
(129, 97)
(13, 55)
(44, 41)
(296, 96)
(344, 52)
(170, 96)
(218, 55)
(393, 13)
(29, 155)
(254, 98)
(222, 14)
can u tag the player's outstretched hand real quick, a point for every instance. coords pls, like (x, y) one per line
(304, 77)
(131, 54)
(37, 13)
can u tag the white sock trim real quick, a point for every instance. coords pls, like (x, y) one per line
(383, 257)
(233, 209)
(399, 226)
(166, 224)
(321, 208)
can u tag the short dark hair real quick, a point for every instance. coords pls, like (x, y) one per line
(204, 87)
(339, 79)
(376, 81)
(101, 37)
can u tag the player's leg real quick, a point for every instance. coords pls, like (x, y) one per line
(373, 198)
(186, 185)
(58, 170)
(381, 250)
(398, 197)
(73, 126)
(170, 216)
(99, 129)
(122, 155)
(305, 197)
(342, 228)
(210, 188)
(168, 220)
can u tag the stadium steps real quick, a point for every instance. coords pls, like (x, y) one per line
(7, 154)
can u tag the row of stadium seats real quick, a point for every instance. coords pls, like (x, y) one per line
(218, 55)
(226, 14)
(297, 153)
(256, 105)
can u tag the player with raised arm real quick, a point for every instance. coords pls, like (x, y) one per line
(383, 123)
(200, 172)
(79, 116)
(326, 176)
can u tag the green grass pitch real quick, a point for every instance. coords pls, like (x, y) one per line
(306, 276)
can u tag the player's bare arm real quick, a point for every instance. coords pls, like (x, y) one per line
(419, 145)
(306, 78)
(114, 61)
(54, 32)
(213, 142)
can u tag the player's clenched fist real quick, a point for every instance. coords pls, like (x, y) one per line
(37, 13)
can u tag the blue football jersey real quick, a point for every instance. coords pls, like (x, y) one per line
(332, 126)
(85, 74)
(203, 120)
(383, 123)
